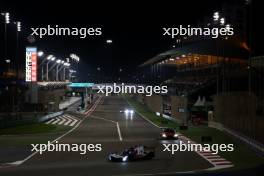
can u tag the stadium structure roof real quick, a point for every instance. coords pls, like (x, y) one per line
(231, 48)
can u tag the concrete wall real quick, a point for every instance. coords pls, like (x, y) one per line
(238, 112)
(179, 102)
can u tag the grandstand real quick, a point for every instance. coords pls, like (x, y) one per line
(217, 63)
(223, 74)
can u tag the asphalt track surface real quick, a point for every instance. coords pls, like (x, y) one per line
(101, 128)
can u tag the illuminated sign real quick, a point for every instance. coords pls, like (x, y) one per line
(31, 64)
(181, 110)
(81, 85)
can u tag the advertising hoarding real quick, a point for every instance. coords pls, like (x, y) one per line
(31, 64)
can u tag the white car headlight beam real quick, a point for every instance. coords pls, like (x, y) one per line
(124, 158)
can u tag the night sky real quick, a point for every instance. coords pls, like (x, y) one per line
(134, 27)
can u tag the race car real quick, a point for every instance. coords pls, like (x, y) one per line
(168, 133)
(136, 153)
(128, 111)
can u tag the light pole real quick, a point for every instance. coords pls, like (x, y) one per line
(66, 65)
(40, 54)
(15, 62)
(57, 69)
(57, 64)
(109, 41)
(7, 21)
(63, 65)
(49, 58)
(222, 21)
(216, 16)
(64, 70)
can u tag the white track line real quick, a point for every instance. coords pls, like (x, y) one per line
(62, 121)
(119, 132)
(74, 120)
(68, 120)
(56, 121)
(115, 122)
(148, 119)
(51, 120)
(16, 163)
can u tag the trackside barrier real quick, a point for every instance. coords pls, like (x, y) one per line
(171, 118)
(50, 116)
(68, 103)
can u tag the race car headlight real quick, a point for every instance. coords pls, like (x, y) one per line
(131, 111)
(164, 135)
(126, 111)
(124, 158)
(175, 135)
